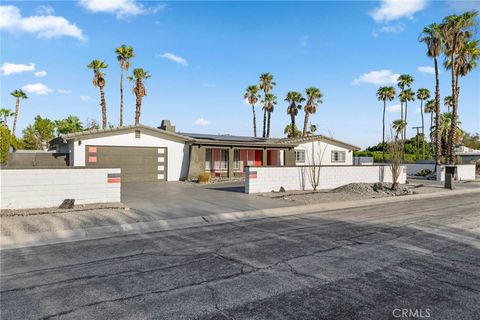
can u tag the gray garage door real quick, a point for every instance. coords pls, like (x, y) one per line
(136, 163)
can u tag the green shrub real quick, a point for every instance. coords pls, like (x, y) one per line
(5, 141)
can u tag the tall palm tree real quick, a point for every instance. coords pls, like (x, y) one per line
(398, 126)
(430, 107)
(404, 82)
(422, 95)
(385, 94)
(270, 101)
(139, 76)
(314, 98)
(99, 82)
(5, 114)
(448, 102)
(266, 84)
(406, 96)
(252, 96)
(433, 38)
(124, 54)
(294, 99)
(456, 30)
(17, 94)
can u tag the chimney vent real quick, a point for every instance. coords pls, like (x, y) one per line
(167, 126)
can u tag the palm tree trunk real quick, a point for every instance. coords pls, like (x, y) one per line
(103, 104)
(423, 130)
(401, 117)
(121, 98)
(292, 116)
(405, 131)
(438, 138)
(269, 113)
(17, 108)
(453, 124)
(305, 123)
(264, 121)
(383, 130)
(254, 121)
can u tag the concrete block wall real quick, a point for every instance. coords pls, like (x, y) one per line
(42, 188)
(266, 179)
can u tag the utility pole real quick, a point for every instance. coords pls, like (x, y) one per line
(418, 143)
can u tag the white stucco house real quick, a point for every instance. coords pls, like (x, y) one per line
(146, 153)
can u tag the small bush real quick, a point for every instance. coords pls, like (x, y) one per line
(423, 173)
(204, 177)
(5, 141)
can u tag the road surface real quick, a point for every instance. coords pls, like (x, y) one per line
(379, 262)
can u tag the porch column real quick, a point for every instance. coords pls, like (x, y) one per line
(264, 157)
(230, 162)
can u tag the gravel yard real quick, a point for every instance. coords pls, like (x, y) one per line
(350, 192)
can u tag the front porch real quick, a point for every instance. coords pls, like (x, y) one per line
(231, 161)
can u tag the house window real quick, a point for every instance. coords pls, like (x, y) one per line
(338, 156)
(300, 156)
(137, 134)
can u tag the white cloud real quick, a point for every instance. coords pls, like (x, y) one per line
(424, 69)
(202, 122)
(37, 88)
(8, 68)
(64, 91)
(391, 10)
(174, 58)
(40, 74)
(394, 108)
(121, 8)
(85, 98)
(380, 77)
(43, 26)
(45, 10)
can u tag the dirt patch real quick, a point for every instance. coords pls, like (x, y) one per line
(55, 210)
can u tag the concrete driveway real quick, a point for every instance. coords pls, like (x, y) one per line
(169, 200)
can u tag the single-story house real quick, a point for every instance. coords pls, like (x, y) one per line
(146, 153)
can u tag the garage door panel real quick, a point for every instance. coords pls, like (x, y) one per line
(136, 163)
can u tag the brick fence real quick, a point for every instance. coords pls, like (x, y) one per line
(266, 179)
(41, 188)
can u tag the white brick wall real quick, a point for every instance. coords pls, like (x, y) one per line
(41, 188)
(265, 179)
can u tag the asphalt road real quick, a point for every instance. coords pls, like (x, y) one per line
(418, 258)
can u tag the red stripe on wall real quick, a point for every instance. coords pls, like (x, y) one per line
(114, 180)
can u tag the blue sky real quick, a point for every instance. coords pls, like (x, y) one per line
(202, 56)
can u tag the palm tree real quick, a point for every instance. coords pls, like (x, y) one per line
(422, 95)
(294, 99)
(398, 126)
(270, 101)
(430, 107)
(17, 94)
(456, 32)
(448, 102)
(432, 36)
(252, 96)
(444, 130)
(139, 75)
(404, 82)
(99, 82)
(384, 94)
(124, 54)
(314, 98)
(266, 84)
(5, 114)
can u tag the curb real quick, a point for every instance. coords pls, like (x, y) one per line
(45, 238)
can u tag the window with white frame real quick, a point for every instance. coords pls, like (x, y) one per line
(300, 156)
(338, 156)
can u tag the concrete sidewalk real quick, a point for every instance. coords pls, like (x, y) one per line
(44, 238)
